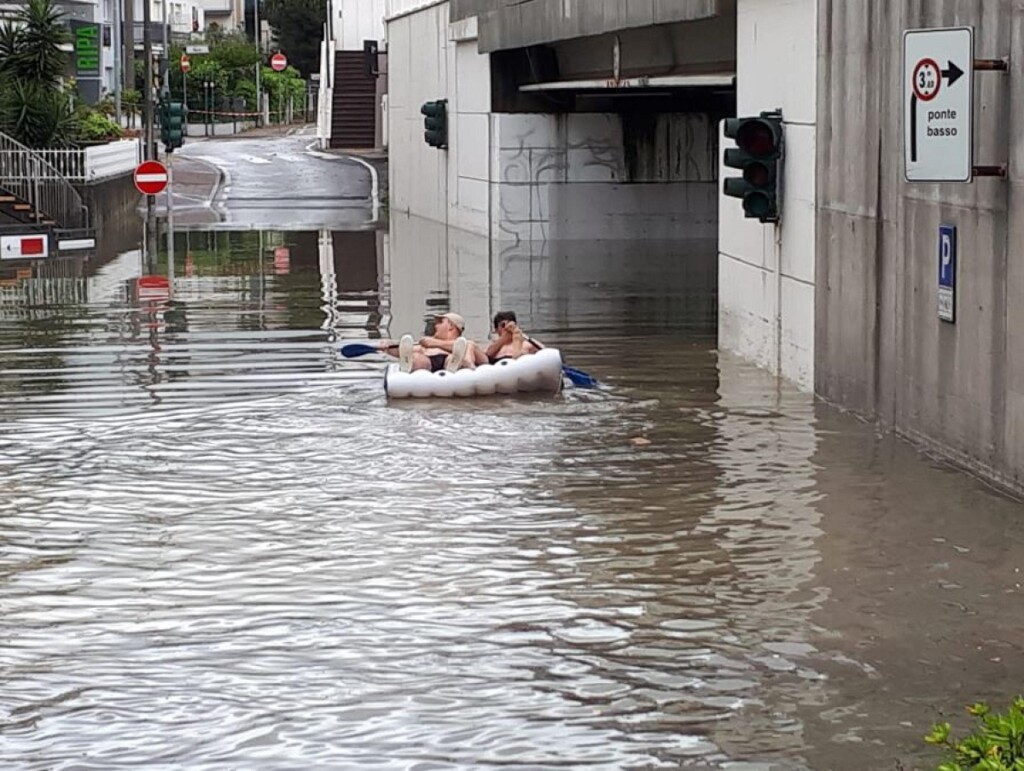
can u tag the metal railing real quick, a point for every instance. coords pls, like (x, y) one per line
(27, 175)
(95, 162)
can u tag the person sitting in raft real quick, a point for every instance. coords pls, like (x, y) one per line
(510, 342)
(447, 349)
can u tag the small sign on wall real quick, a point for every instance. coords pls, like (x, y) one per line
(947, 273)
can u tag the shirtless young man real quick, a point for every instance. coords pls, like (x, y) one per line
(510, 342)
(446, 349)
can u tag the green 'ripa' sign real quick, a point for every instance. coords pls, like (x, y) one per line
(87, 49)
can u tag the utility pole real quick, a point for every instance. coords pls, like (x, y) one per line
(259, 63)
(118, 53)
(147, 91)
(165, 66)
(128, 60)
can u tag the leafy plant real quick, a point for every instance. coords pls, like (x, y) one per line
(96, 126)
(37, 115)
(997, 743)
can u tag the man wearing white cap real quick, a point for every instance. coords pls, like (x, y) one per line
(446, 349)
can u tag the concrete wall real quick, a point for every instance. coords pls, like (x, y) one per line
(112, 202)
(522, 177)
(603, 176)
(766, 272)
(882, 350)
(417, 72)
(506, 24)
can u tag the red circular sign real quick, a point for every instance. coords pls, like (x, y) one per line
(927, 79)
(278, 62)
(186, 65)
(150, 177)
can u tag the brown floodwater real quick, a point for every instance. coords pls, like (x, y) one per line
(221, 546)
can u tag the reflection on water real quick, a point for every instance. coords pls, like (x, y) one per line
(221, 547)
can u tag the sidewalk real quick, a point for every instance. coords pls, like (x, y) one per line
(194, 179)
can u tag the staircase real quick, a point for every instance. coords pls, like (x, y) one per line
(354, 107)
(32, 192)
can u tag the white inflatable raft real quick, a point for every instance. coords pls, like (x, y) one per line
(532, 373)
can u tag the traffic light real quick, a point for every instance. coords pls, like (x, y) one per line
(759, 154)
(172, 124)
(435, 124)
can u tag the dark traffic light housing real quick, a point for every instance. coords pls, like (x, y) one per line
(435, 123)
(172, 124)
(758, 154)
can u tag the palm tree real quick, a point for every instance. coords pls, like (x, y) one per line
(34, 108)
(37, 55)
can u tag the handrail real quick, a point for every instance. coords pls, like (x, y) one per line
(25, 173)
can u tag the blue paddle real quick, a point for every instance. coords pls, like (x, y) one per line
(577, 376)
(358, 349)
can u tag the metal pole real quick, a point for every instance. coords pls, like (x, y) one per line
(147, 92)
(165, 74)
(150, 240)
(259, 63)
(118, 53)
(170, 226)
(128, 38)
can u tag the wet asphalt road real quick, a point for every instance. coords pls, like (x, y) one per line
(278, 183)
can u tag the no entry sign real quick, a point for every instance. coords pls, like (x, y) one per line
(186, 65)
(150, 177)
(278, 62)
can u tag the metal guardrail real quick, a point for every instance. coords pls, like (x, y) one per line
(26, 174)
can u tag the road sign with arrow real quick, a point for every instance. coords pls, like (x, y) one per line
(938, 102)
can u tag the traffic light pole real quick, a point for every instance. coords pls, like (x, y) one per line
(170, 226)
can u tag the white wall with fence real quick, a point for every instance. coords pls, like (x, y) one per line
(92, 163)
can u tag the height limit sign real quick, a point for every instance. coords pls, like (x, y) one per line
(938, 104)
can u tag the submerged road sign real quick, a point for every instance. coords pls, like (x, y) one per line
(938, 104)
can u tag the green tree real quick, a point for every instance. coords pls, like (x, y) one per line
(30, 43)
(298, 27)
(34, 107)
(282, 86)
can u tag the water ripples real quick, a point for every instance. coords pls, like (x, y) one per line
(220, 547)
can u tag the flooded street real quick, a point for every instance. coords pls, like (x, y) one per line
(221, 547)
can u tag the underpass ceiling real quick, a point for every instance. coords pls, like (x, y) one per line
(508, 24)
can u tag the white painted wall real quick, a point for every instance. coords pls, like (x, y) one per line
(356, 21)
(418, 71)
(395, 8)
(766, 273)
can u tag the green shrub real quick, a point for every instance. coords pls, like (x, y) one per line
(997, 743)
(98, 126)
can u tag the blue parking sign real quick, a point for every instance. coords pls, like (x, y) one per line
(947, 273)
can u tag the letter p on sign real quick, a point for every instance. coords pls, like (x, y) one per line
(947, 273)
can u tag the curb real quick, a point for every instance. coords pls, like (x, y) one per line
(315, 151)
